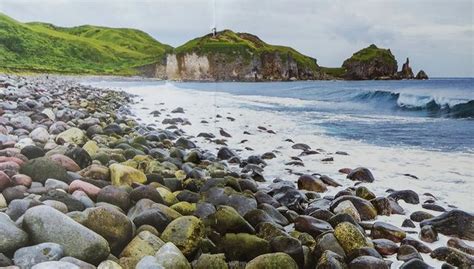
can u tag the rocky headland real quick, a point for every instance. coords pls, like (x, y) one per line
(85, 185)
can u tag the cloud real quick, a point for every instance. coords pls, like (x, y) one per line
(437, 35)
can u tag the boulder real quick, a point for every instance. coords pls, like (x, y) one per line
(310, 183)
(387, 231)
(211, 261)
(11, 237)
(361, 174)
(143, 244)
(73, 136)
(186, 233)
(26, 257)
(350, 237)
(243, 247)
(45, 224)
(227, 220)
(278, 260)
(455, 223)
(169, 256)
(312, 226)
(125, 175)
(66, 162)
(40, 169)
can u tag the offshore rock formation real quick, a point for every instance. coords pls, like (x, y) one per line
(421, 75)
(370, 63)
(406, 72)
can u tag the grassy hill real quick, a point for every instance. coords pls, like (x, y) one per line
(230, 43)
(41, 47)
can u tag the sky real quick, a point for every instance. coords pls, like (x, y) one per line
(437, 35)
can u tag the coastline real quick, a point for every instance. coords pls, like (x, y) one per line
(203, 153)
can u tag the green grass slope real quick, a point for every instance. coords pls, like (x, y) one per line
(246, 45)
(41, 47)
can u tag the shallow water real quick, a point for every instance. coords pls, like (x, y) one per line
(443, 169)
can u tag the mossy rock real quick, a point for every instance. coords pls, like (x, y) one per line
(267, 231)
(145, 243)
(40, 169)
(278, 260)
(184, 208)
(211, 261)
(186, 233)
(73, 135)
(103, 158)
(227, 220)
(91, 147)
(350, 237)
(242, 246)
(168, 196)
(125, 175)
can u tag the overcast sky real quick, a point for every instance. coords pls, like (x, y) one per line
(437, 35)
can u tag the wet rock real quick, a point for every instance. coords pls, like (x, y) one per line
(420, 247)
(290, 246)
(327, 242)
(453, 257)
(382, 205)
(368, 262)
(185, 143)
(243, 247)
(11, 237)
(228, 196)
(80, 156)
(55, 265)
(40, 169)
(348, 208)
(45, 224)
(311, 225)
(415, 264)
(385, 246)
(434, 207)
(26, 257)
(419, 216)
(146, 192)
(350, 237)
(364, 193)
(225, 153)
(460, 245)
(186, 233)
(365, 208)
(387, 231)
(428, 234)
(408, 223)
(408, 196)
(72, 203)
(300, 146)
(331, 260)
(361, 174)
(407, 252)
(66, 162)
(310, 183)
(272, 260)
(455, 222)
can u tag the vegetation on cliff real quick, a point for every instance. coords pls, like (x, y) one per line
(245, 45)
(41, 47)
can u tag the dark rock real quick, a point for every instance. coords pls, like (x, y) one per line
(331, 260)
(42, 168)
(154, 217)
(415, 264)
(235, 249)
(329, 181)
(382, 204)
(327, 242)
(460, 245)
(406, 72)
(408, 196)
(408, 223)
(428, 234)
(290, 246)
(421, 75)
(365, 208)
(115, 196)
(361, 174)
(455, 223)
(363, 251)
(385, 246)
(434, 207)
(310, 183)
(453, 256)
(387, 231)
(32, 152)
(72, 203)
(368, 262)
(419, 216)
(312, 226)
(421, 247)
(80, 156)
(146, 192)
(407, 252)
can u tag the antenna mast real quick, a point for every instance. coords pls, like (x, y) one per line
(214, 27)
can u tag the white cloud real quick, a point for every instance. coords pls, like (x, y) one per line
(436, 34)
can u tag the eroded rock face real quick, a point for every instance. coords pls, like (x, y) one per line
(370, 63)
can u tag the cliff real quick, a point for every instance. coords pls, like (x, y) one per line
(230, 56)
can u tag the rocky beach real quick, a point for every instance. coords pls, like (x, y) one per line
(88, 183)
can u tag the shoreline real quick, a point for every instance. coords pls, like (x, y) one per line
(168, 180)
